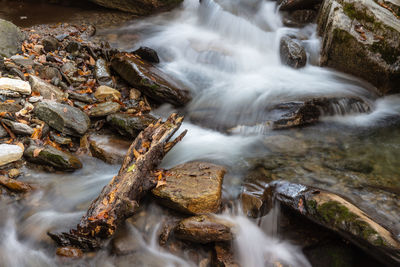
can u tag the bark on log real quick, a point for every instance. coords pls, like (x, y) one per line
(120, 198)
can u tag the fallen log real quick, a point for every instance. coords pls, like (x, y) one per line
(120, 198)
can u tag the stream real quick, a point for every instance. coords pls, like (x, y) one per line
(227, 53)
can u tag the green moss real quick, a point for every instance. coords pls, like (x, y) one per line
(352, 12)
(333, 213)
(312, 206)
(387, 53)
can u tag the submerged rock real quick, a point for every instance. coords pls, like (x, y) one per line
(341, 216)
(14, 185)
(108, 148)
(11, 39)
(46, 90)
(10, 153)
(63, 118)
(292, 53)
(193, 188)
(48, 155)
(285, 145)
(204, 229)
(130, 125)
(150, 80)
(362, 38)
(139, 7)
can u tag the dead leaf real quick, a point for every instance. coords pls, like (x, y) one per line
(37, 151)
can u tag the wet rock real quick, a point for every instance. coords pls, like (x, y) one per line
(125, 242)
(82, 97)
(3, 132)
(104, 93)
(50, 44)
(61, 140)
(297, 4)
(64, 118)
(22, 61)
(11, 39)
(14, 173)
(14, 185)
(48, 155)
(134, 94)
(10, 153)
(193, 188)
(139, 7)
(69, 68)
(109, 148)
(46, 90)
(13, 85)
(341, 216)
(292, 53)
(104, 109)
(223, 256)
(299, 18)
(19, 128)
(150, 80)
(330, 255)
(204, 229)
(130, 125)
(35, 99)
(285, 145)
(147, 54)
(362, 38)
(69, 252)
(10, 107)
(103, 74)
(307, 112)
(47, 72)
(73, 48)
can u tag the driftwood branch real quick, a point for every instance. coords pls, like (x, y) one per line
(120, 198)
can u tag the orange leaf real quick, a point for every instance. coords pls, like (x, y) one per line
(160, 183)
(37, 151)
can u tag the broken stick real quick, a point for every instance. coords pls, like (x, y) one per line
(120, 198)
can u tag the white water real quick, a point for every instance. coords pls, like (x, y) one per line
(226, 52)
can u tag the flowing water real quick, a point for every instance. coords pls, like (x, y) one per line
(227, 53)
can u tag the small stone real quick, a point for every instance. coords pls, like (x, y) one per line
(14, 173)
(47, 72)
(19, 128)
(3, 132)
(22, 61)
(14, 85)
(60, 139)
(103, 74)
(108, 148)
(14, 185)
(130, 125)
(104, 109)
(104, 93)
(134, 94)
(192, 188)
(38, 48)
(46, 90)
(35, 99)
(69, 68)
(50, 44)
(204, 229)
(292, 53)
(10, 107)
(9, 153)
(69, 252)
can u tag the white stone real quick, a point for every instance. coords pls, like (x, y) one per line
(9, 153)
(15, 85)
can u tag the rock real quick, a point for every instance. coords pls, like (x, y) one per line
(330, 255)
(14, 85)
(69, 68)
(104, 93)
(10, 107)
(69, 252)
(307, 112)
(341, 216)
(134, 94)
(19, 128)
(47, 72)
(103, 74)
(35, 99)
(139, 7)
(3, 132)
(149, 80)
(45, 89)
(73, 47)
(82, 97)
(292, 53)
(14, 173)
(11, 39)
(103, 109)
(299, 18)
(64, 118)
(362, 38)
(223, 256)
(14, 185)
(125, 243)
(61, 140)
(50, 44)
(108, 148)
(192, 188)
(130, 125)
(297, 4)
(10, 153)
(204, 229)
(285, 145)
(147, 54)
(22, 61)
(48, 155)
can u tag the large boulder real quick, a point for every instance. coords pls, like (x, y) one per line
(149, 80)
(139, 7)
(192, 188)
(63, 118)
(362, 38)
(11, 39)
